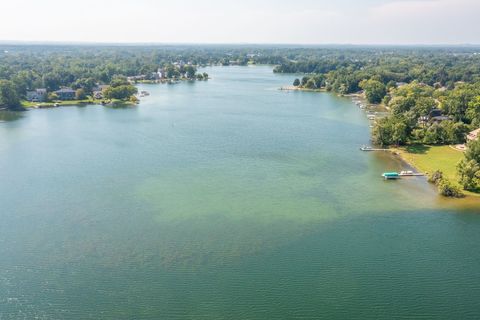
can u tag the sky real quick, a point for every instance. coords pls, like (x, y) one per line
(245, 21)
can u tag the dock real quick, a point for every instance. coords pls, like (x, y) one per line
(396, 175)
(368, 149)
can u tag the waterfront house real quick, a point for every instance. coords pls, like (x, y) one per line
(65, 94)
(100, 87)
(97, 95)
(37, 95)
(436, 115)
(97, 92)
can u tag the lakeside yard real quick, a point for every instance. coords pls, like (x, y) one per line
(428, 159)
(64, 103)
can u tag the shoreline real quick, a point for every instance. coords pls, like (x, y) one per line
(293, 88)
(403, 155)
(399, 153)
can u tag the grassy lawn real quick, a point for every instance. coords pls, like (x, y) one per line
(427, 159)
(28, 104)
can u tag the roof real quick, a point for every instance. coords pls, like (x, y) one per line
(440, 118)
(65, 90)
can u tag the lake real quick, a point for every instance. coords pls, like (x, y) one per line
(226, 199)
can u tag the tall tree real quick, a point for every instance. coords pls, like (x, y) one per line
(8, 95)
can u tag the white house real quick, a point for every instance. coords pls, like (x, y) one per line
(37, 95)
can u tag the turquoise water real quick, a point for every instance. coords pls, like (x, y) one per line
(226, 199)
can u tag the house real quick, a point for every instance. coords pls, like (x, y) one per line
(440, 119)
(65, 94)
(37, 95)
(100, 87)
(436, 115)
(97, 92)
(97, 95)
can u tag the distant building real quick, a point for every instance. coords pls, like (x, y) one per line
(435, 113)
(440, 119)
(435, 116)
(97, 92)
(38, 95)
(97, 95)
(100, 87)
(65, 94)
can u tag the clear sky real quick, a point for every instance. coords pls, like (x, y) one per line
(243, 21)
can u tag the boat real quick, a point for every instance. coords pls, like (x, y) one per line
(366, 148)
(391, 175)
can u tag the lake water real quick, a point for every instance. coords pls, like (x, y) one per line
(226, 199)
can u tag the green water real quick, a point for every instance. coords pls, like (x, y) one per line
(226, 199)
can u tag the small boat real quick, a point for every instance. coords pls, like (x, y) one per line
(391, 175)
(406, 173)
(366, 148)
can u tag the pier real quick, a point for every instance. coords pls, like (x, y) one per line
(396, 175)
(368, 149)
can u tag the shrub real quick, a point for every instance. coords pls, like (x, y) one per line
(435, 177)
(447, 189)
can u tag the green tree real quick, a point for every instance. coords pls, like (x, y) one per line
(80, 94)
(473, 151)
(118, 81)
(190, 71)
(52, 96)
(399, 133)
(374, 90)
(435, 177)
(447, 189)
(8, 95)
(311, 84)
(469, 172)
(473, 111)
(305, 80)
(122, 92)
(400, 104)
(296, 82)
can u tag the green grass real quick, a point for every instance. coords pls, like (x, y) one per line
(428, 159)
(28, 104)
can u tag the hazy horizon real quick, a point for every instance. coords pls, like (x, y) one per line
(304, 22)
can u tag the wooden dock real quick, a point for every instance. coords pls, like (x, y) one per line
(412, 175)
(369, 149)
